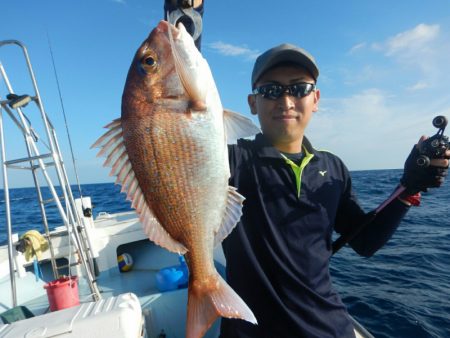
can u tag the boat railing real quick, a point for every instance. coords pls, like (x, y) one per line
(42, 162)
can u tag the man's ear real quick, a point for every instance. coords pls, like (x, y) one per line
(251, 99)
(316, 100)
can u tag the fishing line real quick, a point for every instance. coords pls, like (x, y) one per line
(65, 120)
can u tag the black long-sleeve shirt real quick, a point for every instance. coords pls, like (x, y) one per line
(278, 255)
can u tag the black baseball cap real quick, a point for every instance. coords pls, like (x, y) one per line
(281, 54)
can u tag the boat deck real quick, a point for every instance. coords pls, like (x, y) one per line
(159, 308)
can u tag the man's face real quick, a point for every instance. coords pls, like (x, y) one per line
(284, 120)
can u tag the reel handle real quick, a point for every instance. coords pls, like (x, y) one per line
(435, 146)
(423, 161)
(440, 122)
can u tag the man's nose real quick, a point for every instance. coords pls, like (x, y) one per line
(286, 101)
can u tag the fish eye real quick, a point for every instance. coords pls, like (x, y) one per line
(149, 63)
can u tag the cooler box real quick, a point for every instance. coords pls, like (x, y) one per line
(113, 317)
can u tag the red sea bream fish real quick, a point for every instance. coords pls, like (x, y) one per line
(169, 153)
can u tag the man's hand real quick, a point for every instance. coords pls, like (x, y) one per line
(419, 178)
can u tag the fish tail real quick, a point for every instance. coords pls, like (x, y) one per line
(206, 305)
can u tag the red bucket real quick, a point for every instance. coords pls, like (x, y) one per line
(62, 293)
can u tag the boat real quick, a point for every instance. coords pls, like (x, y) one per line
(99, 277)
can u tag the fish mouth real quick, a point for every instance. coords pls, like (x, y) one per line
(163, 27)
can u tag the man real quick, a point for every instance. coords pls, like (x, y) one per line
(296, 196)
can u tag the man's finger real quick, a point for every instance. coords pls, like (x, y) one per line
(439, 162)
(422, 138)
(447, 154)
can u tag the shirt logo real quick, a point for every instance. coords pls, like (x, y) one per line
(322, 172)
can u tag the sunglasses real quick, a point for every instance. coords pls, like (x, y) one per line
(274, 91)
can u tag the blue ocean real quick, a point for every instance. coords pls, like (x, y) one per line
(402, 291)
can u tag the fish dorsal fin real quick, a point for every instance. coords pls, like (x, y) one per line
(113, 147)
(233, 212)
(238, 126)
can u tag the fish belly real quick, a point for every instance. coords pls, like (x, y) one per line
(181, 164)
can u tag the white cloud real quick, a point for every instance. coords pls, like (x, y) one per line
(372, 129)
(365, 74)
(418, 58)
(419, 48)
(233, 50)
(412, 40)
(376, 46)
(357, 47)
(418, 86)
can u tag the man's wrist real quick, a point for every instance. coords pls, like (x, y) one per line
(410, 200)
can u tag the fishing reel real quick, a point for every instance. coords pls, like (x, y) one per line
(435, 146)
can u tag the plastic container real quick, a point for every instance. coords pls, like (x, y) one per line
(62, 293)
(173, 277)
(113, 317)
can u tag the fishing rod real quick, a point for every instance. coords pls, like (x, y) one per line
(189, 13)
(433, 147)
(87, 212)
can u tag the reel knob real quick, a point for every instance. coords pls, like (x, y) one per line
(423, 161)
(440, 122)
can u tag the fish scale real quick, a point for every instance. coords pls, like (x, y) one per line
(188, 185)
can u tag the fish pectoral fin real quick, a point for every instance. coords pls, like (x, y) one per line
(113, 147)
(238, 126)
(205, 305)
(233, 212)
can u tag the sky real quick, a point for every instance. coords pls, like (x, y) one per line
(384, 68)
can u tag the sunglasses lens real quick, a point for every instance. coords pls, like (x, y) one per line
(275, 91)
(271, 91)
(300, 89)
